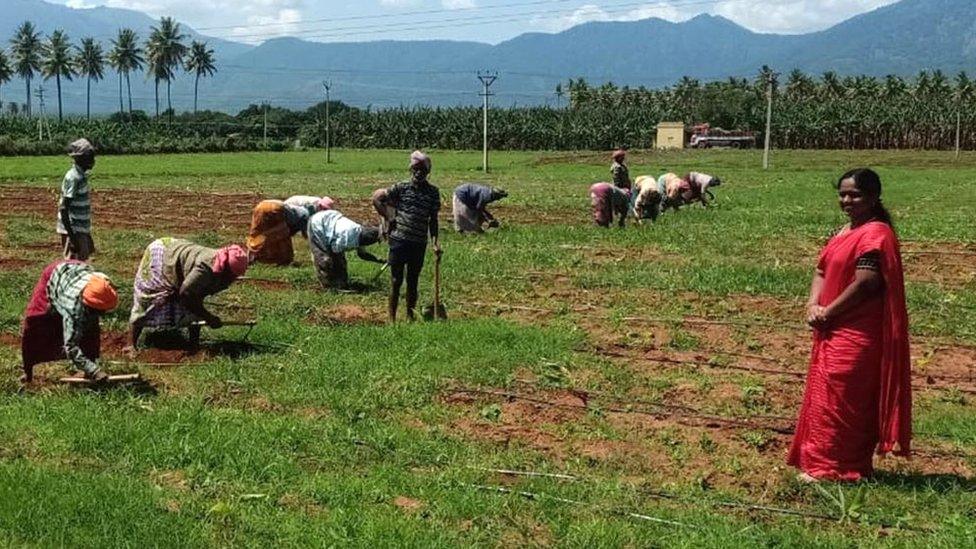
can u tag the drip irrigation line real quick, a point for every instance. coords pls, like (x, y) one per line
(795, 373)
(666, 495)
(539, 496)
(730, 421)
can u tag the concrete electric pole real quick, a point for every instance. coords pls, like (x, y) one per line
(487, 79)
(327, 84)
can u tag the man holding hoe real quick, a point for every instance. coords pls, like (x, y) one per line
(416, 204)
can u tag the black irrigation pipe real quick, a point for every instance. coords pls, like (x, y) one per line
(730, 421)
(660, 494)
(793, 373)
(734, 422)
(540, 496)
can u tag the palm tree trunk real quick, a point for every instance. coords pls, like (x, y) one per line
(169, 99)
(196, 87)
(29, 112)
(121, 104)
(128, 85)
(88, 100)
(60, 113)
(157, 97)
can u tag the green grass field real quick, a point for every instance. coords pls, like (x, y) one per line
(659, 366)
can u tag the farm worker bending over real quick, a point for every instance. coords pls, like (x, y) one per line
(608, 201)
(62, 318)
(330, 236)
(618, 170)
(417, 203)
(74, 208)
(470, 205)
(172, 280)
(858, 398)
(274, 222)
(385, 211)
(670, 186)
(646, 198)
(696, 186)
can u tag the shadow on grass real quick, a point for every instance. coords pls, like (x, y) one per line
(176, 340)
(942, 483)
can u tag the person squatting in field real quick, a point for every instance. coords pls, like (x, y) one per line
(74, 206)
(415, 203)
(858, 396)
(172, 280)
(470, 207)
(646, 198)
(609, 201)
(274, 222)
(618, 170)
(330, 236)
(62, 318)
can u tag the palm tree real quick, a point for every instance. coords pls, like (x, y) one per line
(199, 61)
(166, 50)
(26, 52)
(125, 57)
(90, 63)
(6, 73)
(57, 62)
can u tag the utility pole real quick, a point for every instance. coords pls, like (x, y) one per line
(41, 119)
(265, 105)
(770, 78)
(958, 132)
(327, 84)
(487, 79)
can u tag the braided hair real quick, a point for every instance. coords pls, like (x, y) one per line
(869, 182)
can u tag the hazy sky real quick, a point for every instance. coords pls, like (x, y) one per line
(482, 20)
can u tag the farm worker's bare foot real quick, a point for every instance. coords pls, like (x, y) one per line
(805, 478)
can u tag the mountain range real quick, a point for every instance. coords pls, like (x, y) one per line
(901, 38)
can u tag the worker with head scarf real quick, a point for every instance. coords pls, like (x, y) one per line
(618, 170)
(62, 318)
(172, 281)
(274, 222)
(330, 236)
(470, 207)
(74, 206)
(416, 203)
(646, 198)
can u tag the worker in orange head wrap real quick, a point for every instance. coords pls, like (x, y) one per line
(62, 318)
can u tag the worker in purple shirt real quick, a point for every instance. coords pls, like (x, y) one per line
(470, 205)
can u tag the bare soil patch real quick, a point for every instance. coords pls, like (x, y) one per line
(14, 264)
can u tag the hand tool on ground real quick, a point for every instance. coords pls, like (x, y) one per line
(436, 310)
(249, 323)
(386, 265)
(118, 378)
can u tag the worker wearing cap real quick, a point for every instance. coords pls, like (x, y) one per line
(618, 170)
(62, 318)
(74, 207)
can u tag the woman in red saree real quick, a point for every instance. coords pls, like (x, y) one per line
(858, 397)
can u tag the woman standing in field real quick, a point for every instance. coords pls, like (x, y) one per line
(618, 170)
(172, 280)
(858, 393)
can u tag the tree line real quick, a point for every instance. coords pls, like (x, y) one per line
(161, 56)
(825, 111)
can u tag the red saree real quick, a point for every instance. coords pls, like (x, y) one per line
(858, 396)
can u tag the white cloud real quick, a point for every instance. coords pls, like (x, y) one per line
(458, 4)
(399, 3)
(284, 22)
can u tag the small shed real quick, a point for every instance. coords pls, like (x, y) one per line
(671, 135)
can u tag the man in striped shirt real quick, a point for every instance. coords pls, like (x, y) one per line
(417, 203)
(74, 208)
